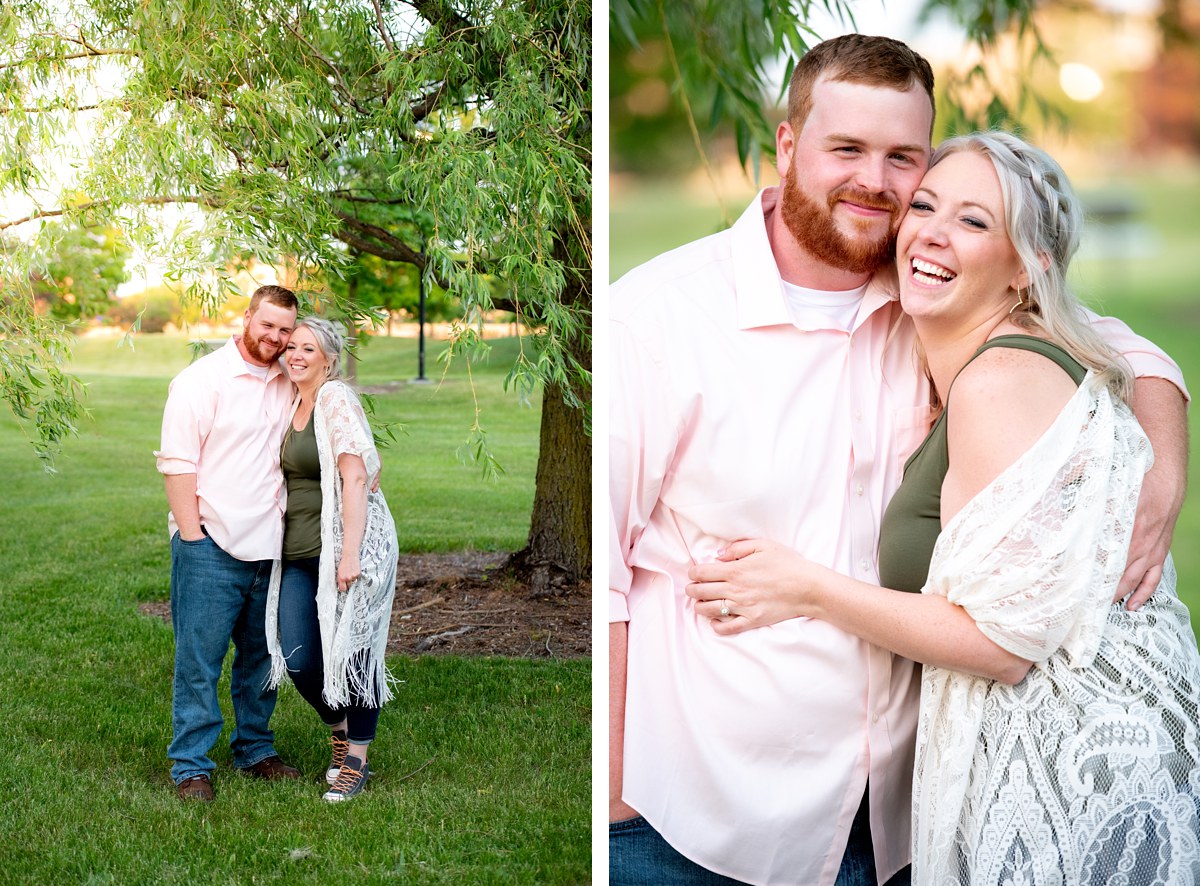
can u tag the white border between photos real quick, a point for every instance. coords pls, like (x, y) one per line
(600, 273)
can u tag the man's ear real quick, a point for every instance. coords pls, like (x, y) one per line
(785, 143)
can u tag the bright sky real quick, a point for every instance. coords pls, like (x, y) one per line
(937, 39)
(895, 18)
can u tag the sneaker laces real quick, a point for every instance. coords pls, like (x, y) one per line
(341, 747)
(346, 779)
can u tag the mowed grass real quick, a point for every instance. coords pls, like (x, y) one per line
(1148, 274)
(483, 764)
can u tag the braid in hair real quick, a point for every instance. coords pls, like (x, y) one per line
(1044, 221)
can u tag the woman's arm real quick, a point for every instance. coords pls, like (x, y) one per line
(763, 583)
(999, 407)
(354, 517)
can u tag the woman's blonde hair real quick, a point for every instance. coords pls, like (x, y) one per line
(331, 338)
(1044, 220)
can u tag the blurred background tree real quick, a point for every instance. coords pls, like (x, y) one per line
(84, 268)
(391, 289)
(690, 77)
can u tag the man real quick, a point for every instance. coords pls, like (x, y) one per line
(222, 428)
(764, 385)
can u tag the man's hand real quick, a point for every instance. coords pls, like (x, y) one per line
(1160, 409)
(1154, 525)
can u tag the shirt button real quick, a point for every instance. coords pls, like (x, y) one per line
(862, 564)
(858, 416)
(859, 489)
(875, 718)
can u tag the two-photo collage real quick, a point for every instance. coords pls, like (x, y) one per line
(657, 444)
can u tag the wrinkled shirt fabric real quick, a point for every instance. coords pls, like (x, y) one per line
(225, 424)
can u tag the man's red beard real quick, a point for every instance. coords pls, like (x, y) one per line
(815, 230)
(263, 353)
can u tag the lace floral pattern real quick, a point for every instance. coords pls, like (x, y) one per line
(1088, 770)
(354, 624)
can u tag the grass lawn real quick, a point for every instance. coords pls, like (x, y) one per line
(483, 764)
(1148, 275)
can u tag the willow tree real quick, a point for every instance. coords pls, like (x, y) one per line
(727, 62)
(301, 131)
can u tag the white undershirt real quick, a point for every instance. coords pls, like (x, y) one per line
(811, 308)
(260, 371)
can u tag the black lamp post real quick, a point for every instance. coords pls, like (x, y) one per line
(421, 321)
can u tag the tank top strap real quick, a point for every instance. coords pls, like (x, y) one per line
(1047, 349)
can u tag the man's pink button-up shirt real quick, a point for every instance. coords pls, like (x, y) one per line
(750, 754)
(225, 425)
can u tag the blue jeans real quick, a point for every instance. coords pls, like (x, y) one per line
(858, 862)
(639, 856)
(216, 598)
(300, 638)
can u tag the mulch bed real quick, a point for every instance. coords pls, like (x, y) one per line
(466, 603)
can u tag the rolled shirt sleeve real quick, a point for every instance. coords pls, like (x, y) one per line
(1145, 358)
(187, 419)
(641, 445)
(225, 424)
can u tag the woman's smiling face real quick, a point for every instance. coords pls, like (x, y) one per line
(954, 257)
(306, 362)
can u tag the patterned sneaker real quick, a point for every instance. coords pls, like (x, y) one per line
(352, 778)
(340, 746)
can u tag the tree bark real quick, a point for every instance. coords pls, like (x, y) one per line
(560, 532)
(559, 549)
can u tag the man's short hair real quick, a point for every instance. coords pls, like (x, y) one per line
(856, 58)
(276, 295)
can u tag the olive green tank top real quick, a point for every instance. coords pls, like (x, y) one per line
(913, 519)
(302, 472)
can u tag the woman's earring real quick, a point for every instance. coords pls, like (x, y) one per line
(1020, 301)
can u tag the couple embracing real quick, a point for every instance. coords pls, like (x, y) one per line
(280, 543)
(869, 427)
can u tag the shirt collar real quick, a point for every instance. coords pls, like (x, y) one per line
(758, 287)
(237, 363)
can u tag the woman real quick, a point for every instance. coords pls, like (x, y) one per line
(330, 605)
(1059, 740)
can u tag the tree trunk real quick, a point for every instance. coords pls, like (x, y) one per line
(560, 531)
(559, 550)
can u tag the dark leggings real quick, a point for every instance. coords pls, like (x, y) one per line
(300, 638)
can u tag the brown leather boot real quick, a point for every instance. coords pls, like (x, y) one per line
(271, 769)
(198, 787)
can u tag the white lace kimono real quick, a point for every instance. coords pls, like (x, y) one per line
(354, 625)
(1088, 771)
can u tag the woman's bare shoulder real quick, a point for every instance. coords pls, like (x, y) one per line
(999, 406)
